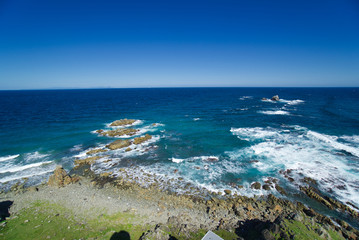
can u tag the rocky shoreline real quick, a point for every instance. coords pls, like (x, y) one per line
(180, 216)
(154, 211)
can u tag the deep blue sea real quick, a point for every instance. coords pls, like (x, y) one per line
(213, 138)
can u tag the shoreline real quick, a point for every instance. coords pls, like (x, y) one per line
(151, 213)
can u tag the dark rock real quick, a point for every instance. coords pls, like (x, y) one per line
(227, 191)
(280, 189)
(256, 185)
(266, 187)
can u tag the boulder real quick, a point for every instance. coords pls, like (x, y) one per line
(227, 191)
(275, 98)
(256, 185)
(122, 122)
(60, 178)
(118, 144)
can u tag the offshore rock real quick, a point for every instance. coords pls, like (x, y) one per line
(275, 98)
(60, 178)
(94, 151)
(139, 140)
(122, 122)
(118, 144)
(119, 132)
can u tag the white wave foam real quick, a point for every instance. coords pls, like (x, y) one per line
(352, 139)
(277, 112)
(291, 102)
(177, 160)
(16, 177)
(245, 97)
(268, 100)
(332, 141)
(31, 157)
(10, 157)
(76, 148)
(307, 153)
(196, 119)
(253, 133)
(21, 168)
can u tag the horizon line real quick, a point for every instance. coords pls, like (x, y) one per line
(108, 88)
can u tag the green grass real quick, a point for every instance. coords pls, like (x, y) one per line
(49, 221)
(300, 231)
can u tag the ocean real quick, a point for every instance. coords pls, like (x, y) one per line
(207, 138)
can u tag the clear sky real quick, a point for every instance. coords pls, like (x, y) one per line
(135, 43)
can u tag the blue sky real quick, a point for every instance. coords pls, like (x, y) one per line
(91, 44)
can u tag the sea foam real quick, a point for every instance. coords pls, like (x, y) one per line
(10, 157)
(306, 153)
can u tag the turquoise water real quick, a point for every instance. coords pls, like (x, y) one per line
(213, 138)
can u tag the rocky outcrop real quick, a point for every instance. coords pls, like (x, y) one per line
(97, 150)
(328, 202)
(122, 122)
(275, 98)
(119, 144)
(119, 132)
(139, 140)
(86, 161)
(60, 178)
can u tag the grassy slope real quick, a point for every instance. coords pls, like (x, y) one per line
(50, 221)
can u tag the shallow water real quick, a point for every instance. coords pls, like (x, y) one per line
(215, 138)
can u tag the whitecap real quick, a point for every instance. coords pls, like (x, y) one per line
(21, 168)
(196, 119)
(76, 148)
(177, 160)
(307, 153)
(245, 97)
(16, 177)
(352, 139)
(254, 133)
(277, 112)
(332, 141)
(31, 157)
(291, 102)
(10, 157)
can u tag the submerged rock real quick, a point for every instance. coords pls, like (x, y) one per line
(118, 144)
(139, 140)
(60, 178)
(122, 122)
